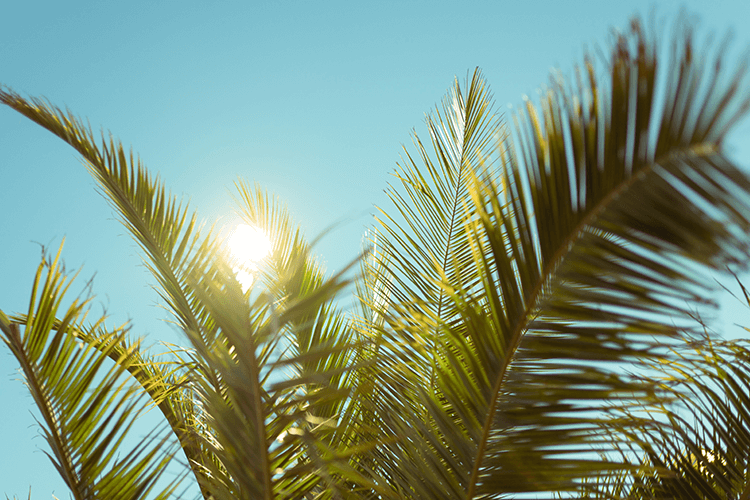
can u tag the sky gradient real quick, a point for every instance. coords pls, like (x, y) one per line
(312, 100)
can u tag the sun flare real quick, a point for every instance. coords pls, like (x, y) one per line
(248, 245)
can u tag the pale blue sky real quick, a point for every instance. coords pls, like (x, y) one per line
(310, 99)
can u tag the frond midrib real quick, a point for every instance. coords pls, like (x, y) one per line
(442, 296)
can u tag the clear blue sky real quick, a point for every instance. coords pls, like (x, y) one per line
(311, 99)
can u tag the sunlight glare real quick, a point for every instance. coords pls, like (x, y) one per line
(248, 245)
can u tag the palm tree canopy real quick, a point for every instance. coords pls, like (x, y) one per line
(525, 273)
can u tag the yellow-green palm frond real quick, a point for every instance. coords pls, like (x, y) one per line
(424, 238)
(607, 242)
(274, 412)
(697, 446)
(291, 274)
(607, 233)
(302, 358)
(163, 227)
(88, 405)
(415, 250)
(163, 378)
(582, 251)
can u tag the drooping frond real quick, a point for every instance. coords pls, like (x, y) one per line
(164, 379)
(617, 211)
(87, 407)
(163, 226)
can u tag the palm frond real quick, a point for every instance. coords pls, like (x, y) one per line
(86, 408)
(321, 340)
(275, 412)
(697, 446)
(163, 378)
(423, 241)
(583, 251)
(602, 275)
(163, 226)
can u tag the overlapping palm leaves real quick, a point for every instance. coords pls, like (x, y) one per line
(523, 269)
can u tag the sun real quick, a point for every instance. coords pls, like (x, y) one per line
(248, 245)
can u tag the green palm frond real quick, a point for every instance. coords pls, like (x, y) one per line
(583, 251)
(321, 339)
(163, 227)
(414, 253)
(605, 275)
(412, 257)
(697, 447)
(86, 407)
(422, 246)
(275, 412)
(165, 380)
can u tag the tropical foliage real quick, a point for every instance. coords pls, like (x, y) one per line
(525, 323)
